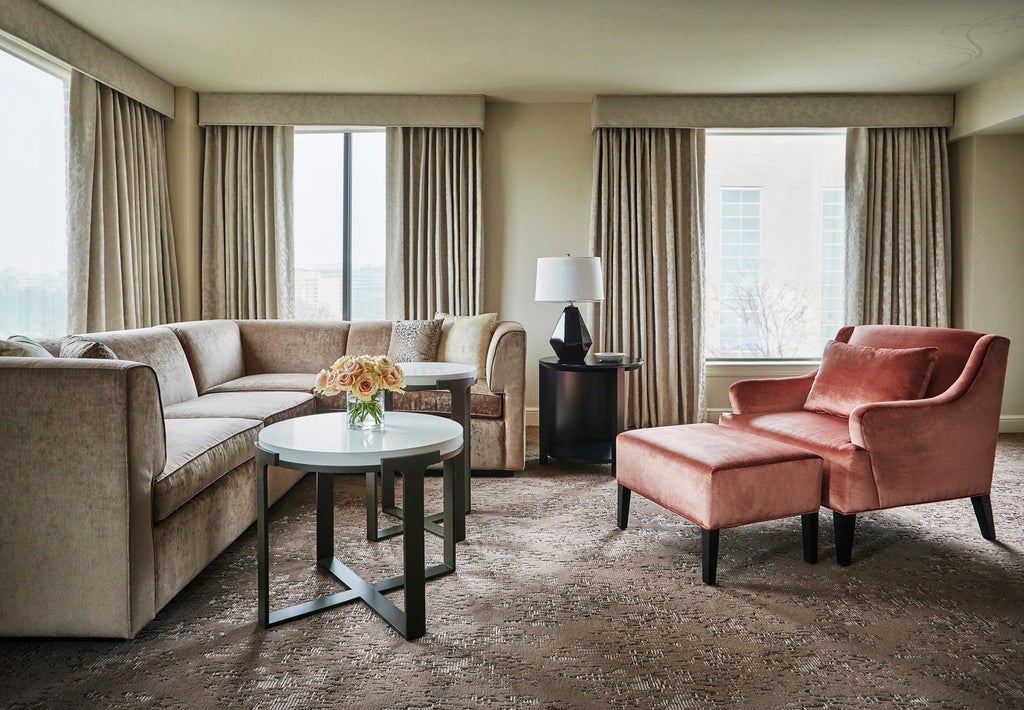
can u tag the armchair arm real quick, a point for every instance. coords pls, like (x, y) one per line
(81, 443)
(506, 374)
(939, 448)
(777, 394)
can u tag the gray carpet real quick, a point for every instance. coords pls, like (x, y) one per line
(554, 607)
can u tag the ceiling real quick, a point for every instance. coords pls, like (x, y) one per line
(561, 50)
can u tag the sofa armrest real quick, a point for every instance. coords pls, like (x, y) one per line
(778, 394)
(939, 448)
(506, 375)
(82, 442)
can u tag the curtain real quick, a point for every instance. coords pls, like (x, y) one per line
(247, 248)
(435, 222)
(122, 271)
(898, 226)
(647, 225)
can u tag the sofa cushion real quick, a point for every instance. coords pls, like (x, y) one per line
(465, 339)
(199, 452)
(415, 340)
(271, 382)
(268, 407)
(213, 349)
(852, 375)
(270, 346)
(159, 348)
(482, 402)
(367, 337)
(22, 346)
(77, 346)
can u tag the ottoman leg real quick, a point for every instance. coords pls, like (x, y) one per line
(844, 525)
(709, 555)
(809, 525)
(623, 507)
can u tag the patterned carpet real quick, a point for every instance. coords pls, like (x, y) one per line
(554, 607)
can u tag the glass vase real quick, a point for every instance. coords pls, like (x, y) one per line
(366, 416)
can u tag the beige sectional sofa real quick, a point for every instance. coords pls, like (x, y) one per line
(122, 479)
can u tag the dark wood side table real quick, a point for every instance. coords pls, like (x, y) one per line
(582, 408)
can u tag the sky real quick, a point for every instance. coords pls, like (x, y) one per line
(32, 169)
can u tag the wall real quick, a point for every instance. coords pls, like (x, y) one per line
(536, 199)
(988, 250)
(995, 105)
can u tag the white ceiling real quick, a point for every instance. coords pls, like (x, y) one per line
(561, 50)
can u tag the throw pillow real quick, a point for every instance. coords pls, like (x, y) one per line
(465, 339)
(76, 346)
(852, 375)
(21, 346)
(414, 340)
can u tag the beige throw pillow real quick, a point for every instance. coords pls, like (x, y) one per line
(414, 340)
(21, 346)
(465, 339)
(75, 346)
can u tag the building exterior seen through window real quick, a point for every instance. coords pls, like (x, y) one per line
(775, 241)
(339, 228)
(33, 197)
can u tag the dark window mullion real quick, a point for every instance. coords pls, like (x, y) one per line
(346, 231)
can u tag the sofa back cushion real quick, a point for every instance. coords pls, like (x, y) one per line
(280, 346)
(852, 375)
(954, 347)
(369, 337)
(159, 348)
(214, 351)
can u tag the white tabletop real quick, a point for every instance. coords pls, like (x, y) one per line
(325, 439)
(418, 374)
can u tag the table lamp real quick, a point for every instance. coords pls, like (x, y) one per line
(569, 279)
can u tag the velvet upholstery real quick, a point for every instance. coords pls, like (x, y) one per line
(214, 351)
(270, 382)
(482, 402)
(159, 348)
(851, 375)
(268, 407)
(368, 338)
(716, 477)
(940, 447)
(270, 346)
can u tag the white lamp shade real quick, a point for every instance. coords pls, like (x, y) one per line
(569, 278)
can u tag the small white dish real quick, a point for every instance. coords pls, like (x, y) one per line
(610, 357)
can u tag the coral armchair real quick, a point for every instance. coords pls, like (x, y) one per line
(893, 453)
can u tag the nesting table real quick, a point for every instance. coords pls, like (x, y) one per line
(322, 443)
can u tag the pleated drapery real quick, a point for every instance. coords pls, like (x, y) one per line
(122, 271)
(898, 226)
(435, 222)
(247, 247)
(647, 225)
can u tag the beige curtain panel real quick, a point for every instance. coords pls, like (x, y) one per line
(435, 222)
(122, 271)
(647, 225)
(898, 254)
(247, 247)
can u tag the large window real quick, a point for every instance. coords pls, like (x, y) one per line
(33, 197)
(339, 224)
(774, 242)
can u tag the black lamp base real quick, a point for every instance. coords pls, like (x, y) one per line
(571, 339)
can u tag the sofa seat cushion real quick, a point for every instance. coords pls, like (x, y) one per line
(199, 452)
(483, 403)
(271, 382)
(848, 485)
(268, 407)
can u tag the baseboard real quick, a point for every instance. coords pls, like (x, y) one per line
(532, 416)
(1011, 424)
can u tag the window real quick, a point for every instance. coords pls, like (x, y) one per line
(339, 224)
(33, 197)
(774, 242)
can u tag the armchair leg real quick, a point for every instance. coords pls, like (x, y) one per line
(983, 512)
(623, 507)
(844, 525)
(809, 526)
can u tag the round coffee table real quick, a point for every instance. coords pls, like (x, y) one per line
(323, 443)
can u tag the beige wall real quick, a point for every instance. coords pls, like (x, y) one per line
(988, 246)
(536, 185)
(995, 105)
(184, 178)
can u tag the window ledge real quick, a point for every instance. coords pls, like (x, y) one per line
(739, 369)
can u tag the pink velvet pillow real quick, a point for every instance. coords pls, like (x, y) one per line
(852, 375)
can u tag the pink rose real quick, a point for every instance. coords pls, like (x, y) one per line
(365, 386)
(393, 379)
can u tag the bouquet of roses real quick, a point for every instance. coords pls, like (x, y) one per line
(362, 377)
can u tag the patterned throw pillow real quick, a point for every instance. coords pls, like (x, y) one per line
(76, 346)
(21, 346)
(414, 340)
(465, 340)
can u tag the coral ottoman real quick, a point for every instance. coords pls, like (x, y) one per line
(719, 478)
